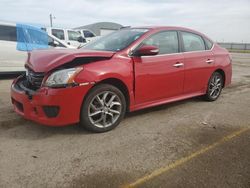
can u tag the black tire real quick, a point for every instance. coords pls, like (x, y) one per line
(210, 95)
(86, 120)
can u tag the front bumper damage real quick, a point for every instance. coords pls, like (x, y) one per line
(48, 106)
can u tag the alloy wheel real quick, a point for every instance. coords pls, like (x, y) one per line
(104, 109)
(215, 86)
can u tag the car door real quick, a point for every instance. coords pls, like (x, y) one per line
(199, 62)
(160, 76)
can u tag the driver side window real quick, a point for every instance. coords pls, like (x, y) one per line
(166, 41)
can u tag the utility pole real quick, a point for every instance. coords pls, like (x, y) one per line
(51, 17)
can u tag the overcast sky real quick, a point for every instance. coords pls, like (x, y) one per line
(221, 20)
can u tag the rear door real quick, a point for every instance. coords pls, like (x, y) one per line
(158, 77)
(199, 62)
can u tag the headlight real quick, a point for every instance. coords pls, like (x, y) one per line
(62, 78)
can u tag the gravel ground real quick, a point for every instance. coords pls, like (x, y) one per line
(33, 155)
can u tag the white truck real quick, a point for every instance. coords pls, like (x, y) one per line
(70, 36)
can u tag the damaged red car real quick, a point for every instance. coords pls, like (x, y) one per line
(127, 70)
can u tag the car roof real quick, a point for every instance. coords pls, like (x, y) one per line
(165, 28)
(159, 28)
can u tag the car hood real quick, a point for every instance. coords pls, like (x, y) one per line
(47, 60)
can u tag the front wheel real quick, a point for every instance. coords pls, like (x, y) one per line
(103, 108)
(214, 88)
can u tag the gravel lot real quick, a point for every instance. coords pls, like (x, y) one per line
(32, 155)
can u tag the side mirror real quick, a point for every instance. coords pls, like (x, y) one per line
(56, 43)
(53, 43)
(147, 50)
(81, 39)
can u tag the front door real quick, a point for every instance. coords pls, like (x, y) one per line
(160, 76)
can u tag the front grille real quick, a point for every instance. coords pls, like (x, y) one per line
(34, 79)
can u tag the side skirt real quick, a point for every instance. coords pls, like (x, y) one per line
(164, 101)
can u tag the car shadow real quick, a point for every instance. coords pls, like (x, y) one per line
(20, 128)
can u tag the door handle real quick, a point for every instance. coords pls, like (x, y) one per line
(177, 65)
(209, 61)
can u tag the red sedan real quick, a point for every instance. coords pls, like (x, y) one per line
(128, 70)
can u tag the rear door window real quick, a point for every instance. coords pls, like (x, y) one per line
(192, 42)
(59, 33)
(8, 33)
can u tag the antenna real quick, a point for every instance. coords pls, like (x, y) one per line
(51, 17)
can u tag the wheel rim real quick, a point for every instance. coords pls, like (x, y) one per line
(215, 86)
(104, 109)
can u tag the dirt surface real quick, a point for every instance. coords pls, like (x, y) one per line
(33, 155)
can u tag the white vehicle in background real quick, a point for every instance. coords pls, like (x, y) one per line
(70, 36)
(54, 42)
(11, 59)
(87, 34)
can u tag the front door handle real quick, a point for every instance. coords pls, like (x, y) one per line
(177, 65)
(209, 61)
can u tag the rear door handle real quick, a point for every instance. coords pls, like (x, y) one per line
(209, 61)
(177, 65)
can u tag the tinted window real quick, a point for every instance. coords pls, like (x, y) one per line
(192, 42)
(209, 44)
(73, 35)
(166, 41)
(58, 33)
(88, 34)
(117, 40)
(7, 33)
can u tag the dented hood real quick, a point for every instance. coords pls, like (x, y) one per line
(46, 60)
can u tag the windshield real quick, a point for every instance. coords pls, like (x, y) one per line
(116, 41)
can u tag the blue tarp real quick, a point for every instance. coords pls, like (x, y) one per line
(31, 37)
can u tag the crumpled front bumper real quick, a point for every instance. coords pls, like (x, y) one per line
(48, 106)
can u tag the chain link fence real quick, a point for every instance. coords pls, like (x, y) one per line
(235, 46)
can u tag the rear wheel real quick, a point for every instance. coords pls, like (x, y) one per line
(214, 88)
(103, 108)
